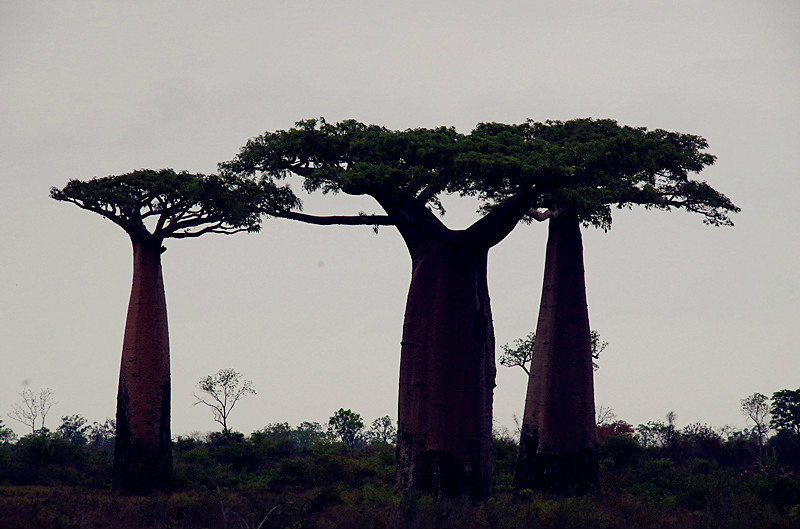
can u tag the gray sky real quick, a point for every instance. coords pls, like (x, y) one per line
(696, 317)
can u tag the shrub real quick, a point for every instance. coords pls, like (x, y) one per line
(620, 451)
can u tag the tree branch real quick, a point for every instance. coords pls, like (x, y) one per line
(213, 228)
(352, 220)
(541, 216)
(133, 230)
(500, 221)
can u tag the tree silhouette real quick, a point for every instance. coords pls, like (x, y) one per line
(785, 410)
(602, 165)
(151, 206)
(756, 409)
(447, 368)
(222, 391)
(347, 426)
(34, 407)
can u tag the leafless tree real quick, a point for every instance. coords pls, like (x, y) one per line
(34, 407)
(604, 415)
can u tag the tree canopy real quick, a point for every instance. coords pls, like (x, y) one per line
(355, 158)
(406, 172)
(785, 410)
(160, 204)
(600, 164)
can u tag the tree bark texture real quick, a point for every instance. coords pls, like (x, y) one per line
(142, 453)
(447, 373)
(558, 445)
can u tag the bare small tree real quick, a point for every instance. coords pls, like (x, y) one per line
(756, 409)
(34, 407)
(604, 415)
(222, 391)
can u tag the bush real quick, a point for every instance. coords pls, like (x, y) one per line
(785, 447)
(620, 451)
(504, 451)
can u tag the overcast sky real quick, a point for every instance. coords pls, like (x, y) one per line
(696, 317)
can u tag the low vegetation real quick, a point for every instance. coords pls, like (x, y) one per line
(312, 476)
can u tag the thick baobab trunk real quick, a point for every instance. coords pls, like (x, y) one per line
(558, 445)
(142, 453)
(447, 373)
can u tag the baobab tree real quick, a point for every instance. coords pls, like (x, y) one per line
(604, 165)
(152, 206)
(447, 368)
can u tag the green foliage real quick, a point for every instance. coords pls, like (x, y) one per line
(347, 426)
(382, 430)
(310, 433)
(658, 434)
(269, 480)
(7, 435)
(101, 435)
(355, 158)
(583, 165)
(162, 204)
(43, 448)
(594, 165)
(700, 441)
(284, 476)
(786, 410)
(73, 428)
(775, 483)
(619, 451)
(504, 457)
(519, 353)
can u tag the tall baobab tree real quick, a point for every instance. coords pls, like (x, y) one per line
(152, 206)
(604, 165)
(447, 368)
